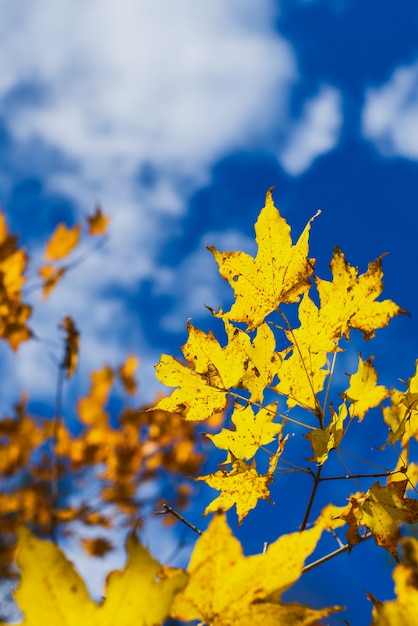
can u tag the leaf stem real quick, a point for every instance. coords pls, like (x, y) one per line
(317, 480)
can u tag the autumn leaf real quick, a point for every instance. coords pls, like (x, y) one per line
(62, 242)
(278, 274)
(195, 398)
(363, 393)
(98, 222)
(323, 440)
(127, 374)
(52, 592)
(91, 408)
(404, 609)
(96, 546)
(381, 510)
(402, 414)
(226, 588)
(51, 276)
(72, 340)
(349, 301)
(303, 372)
(242, 486)
(251, 431)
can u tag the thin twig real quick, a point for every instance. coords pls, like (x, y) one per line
(169, 509)
(331, 555)
(317, 478)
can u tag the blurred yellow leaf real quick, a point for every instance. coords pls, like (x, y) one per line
(98, 222)
(62, 242)
(52, 592)
(72, 339)
(404, 610)
(51, 276)
(127, 374)
(226, 588)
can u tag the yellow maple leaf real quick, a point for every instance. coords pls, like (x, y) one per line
(349, 301)
(242, 486)
(363, 393)
(72, 340)
(404, 609)
(98, 222)
(226, 588)
(51, 276)
(402, 414)
(127, 374)
(62, 242)
(278, 274)
(381, 510)
(195, 398)
(303, 373)
(323, 440)
(52, 592)
(252, 431)
(91, 408)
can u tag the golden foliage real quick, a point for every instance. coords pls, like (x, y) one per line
(268, 381)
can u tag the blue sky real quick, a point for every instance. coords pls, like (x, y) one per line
(177, 117)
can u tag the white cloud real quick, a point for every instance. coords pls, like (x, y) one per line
(390, 114)
(316, 133)
(116, 86)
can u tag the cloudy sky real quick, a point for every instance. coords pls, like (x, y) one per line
(177, 116)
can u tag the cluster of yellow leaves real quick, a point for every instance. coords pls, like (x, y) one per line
(253, 363)
(14, 313)
(62, 243)
(221, 586)
(140, 447)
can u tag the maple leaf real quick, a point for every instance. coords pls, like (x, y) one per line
(402, 415)
(381, 510)
(404, 609)
(278, 274)
(303, 373)
(363, 393)
(252, 431)
(97, 546)
(323, 440)
(91, 408)
(349, 301)
(242, 486)
(62, 242)
(52, 592)
(98, 222)
(226, 588)
(71, 345)
(51, 276)
(127, 374)
(195, 398)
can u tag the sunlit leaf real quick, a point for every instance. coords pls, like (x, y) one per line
(404, 610)
(363, 393)
(278, 274)
(226, 588)
(242, 486)
(381, 510)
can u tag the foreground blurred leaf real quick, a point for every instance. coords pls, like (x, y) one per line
(226, 588)
(51, 592)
